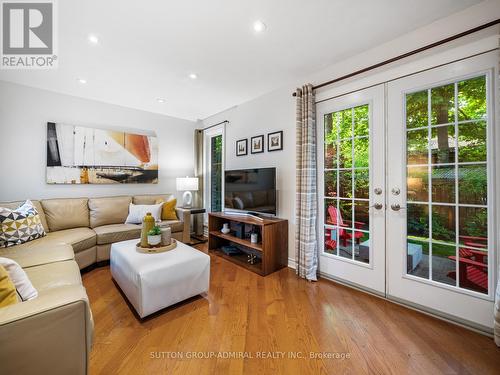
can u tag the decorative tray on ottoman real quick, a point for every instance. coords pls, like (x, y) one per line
(156, 249)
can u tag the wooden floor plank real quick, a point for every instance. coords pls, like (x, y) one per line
(253, 315)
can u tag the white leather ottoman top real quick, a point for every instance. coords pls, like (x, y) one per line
(152, 282)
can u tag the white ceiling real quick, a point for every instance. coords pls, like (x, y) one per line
(148, 48)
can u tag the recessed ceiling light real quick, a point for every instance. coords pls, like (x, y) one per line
(259, 26)
(160, 100)
(193, 75)
(82, 81)
(93, 39)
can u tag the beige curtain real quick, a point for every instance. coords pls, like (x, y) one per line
(306, 243)
(496, 326)
(198, 172)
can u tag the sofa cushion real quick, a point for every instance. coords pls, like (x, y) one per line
(36, 204)
(109, 210)
(66, 213)
(54, 275)
(117, 232)
(38, 252)
(24, 287)
(79, 238)
(20, 225)
(8, 295)
(175, 225)
(168, 209)
(151, 199)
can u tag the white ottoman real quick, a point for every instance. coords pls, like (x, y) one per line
(152, 282)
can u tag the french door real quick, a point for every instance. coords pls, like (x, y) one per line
(441, 190)
(406, 185)
(352, 187)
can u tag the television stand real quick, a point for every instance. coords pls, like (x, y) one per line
(266, 256)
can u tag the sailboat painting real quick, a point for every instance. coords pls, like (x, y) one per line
(83, 155)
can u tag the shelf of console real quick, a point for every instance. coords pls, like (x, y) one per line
(273, 246)
(239, 241)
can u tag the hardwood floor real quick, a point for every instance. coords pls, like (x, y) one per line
(250, 315)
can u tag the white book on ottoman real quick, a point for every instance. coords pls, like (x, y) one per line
(154, 281)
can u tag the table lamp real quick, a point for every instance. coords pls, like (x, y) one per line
(187, 184)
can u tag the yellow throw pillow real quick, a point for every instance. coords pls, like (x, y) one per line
(8, 294)
(168, 209)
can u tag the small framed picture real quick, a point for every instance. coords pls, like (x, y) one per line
(257, 144)
(275, 141)
(242, 147)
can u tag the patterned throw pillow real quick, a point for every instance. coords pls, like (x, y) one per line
(20, 225)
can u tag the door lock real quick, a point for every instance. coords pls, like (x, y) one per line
(378, 206)
(395, 191)
(377, 191)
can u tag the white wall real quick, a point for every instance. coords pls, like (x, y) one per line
(264, 115)
(276, 110)
(24, 113)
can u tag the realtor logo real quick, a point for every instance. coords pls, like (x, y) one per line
(28, 35)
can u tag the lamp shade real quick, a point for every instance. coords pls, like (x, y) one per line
(187, 183)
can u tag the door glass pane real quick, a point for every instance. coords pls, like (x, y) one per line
(345, 153)
(345, 183)
(443, 144)
(361, 183)
(472, 142)
(472, 186)
(443, 263)
(216, 173)
(345, 243)
(443, 184)
(417, 110)
(331, 214)
(418, 184)
(443, 104)
(416, 145)
(331, 183)
(362, 247)
(448, 228)
(361, 152)
(331, 132)
(472, 99)
(331, 240)
(417, 258)
(347, 134)
(418, 221)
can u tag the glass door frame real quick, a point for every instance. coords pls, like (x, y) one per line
(440, 298)
(369, 276)
(207, 170)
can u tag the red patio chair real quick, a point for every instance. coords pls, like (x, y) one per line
(472, 275)
(336, 219)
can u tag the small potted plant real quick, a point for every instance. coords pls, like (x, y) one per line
(154, 236)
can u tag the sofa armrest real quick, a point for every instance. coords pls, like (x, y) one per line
(184, 215)
(49, 334)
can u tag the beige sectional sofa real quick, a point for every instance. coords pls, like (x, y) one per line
(52, 333)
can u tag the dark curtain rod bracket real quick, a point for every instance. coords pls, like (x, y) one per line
(407, 54)
(214, 125)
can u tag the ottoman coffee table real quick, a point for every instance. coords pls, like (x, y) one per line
(154, 281)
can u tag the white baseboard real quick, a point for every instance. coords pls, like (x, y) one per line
(291, 263)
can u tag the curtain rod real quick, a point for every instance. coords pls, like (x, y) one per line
(407, 54)
(214, 125)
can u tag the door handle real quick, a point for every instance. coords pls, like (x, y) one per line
(396, 207)
(378, 206)
(395, 191)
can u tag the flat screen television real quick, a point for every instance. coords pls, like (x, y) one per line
(250, 190)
